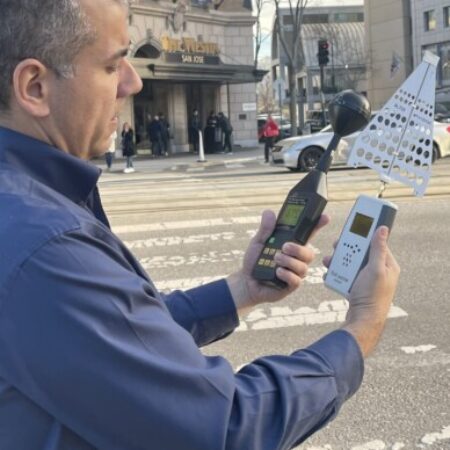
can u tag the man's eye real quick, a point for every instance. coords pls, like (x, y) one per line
(112, 69)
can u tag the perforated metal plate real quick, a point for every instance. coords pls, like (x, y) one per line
(398, 141)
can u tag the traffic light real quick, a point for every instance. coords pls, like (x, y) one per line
(323, 53)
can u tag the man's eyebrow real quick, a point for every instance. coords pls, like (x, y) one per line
(119, 54)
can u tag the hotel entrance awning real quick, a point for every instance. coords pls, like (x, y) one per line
(155, 69)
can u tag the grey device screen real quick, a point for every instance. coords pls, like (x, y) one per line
(361, 225)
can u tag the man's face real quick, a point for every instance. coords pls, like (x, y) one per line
(85, 108)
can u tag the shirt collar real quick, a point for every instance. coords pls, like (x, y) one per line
(66, 174)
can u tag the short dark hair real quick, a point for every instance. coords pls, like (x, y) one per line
(50, 31)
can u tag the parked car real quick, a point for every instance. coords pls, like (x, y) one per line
(442, 117)
(303, 152)
(283, 124)
(315, 121)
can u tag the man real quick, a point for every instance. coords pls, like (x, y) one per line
(165, 133)
(195, 127)
(227, 130)
(91, 355)
(155, 130)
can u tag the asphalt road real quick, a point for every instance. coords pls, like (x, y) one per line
(189, 223)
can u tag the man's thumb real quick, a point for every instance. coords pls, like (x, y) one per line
(266, 226)
(378, 246)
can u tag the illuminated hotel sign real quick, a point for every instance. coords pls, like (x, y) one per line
(190, 51)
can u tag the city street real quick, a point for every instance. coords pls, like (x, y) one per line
(189, 223)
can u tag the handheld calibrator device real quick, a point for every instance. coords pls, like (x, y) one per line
(306, 201)
(398, 144)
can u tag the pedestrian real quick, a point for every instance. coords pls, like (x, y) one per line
(92, 356)
(211, 133)
(128, 148)
(165, 134)
(109, 155)
(156, 136)
(147, 130)
(270, 132)
(195, 127)
(227, 130)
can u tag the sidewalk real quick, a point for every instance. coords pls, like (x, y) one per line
(185, 162)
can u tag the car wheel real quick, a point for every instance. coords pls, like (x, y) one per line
(436, 153)
(309, 158)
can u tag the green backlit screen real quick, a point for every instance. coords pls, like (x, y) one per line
(290, 214)
(361, 225)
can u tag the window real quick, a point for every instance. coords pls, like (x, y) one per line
(275, 72)
(429, 20)
(315, 18)
(200, 3)
(347, 17)
(443, 69)
(445, 63)
(446, 16)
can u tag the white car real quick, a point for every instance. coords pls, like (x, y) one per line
(303, 152)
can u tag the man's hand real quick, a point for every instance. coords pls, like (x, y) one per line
(293, 260)
(372, 294)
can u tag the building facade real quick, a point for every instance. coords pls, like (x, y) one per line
(342, 27)
(193, 54)
(431, 31)
(398, 33)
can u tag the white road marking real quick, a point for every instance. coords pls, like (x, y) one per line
(185, 283)
(168, 241)
(315, 276)
(183, 240)
(418, 349)
(431, 438)
(184, 224)
(373, 445)
(333, 311)
(234, 166)
(325, 447)
(398, 446)
(164, 262)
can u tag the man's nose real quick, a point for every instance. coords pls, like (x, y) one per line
(130, 83)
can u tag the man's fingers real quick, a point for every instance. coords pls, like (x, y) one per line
(378, 247)
(326, 261)
(266, 227)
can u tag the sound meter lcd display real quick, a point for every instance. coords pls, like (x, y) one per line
(361, 225)
(290, 214)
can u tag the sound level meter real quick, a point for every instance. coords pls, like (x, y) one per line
(306, 201)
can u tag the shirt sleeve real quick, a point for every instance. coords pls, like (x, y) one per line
(207, 312)
(82, 337)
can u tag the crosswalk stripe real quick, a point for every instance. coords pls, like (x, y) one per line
(315, 276)
(331, 311)
(184, 224)
(184, 240)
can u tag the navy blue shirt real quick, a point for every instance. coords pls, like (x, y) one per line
(93, 357)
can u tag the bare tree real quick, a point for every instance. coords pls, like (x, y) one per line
(266, 100)
(260, 34)
(290, 39)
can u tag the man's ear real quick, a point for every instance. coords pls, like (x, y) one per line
(31, 87)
